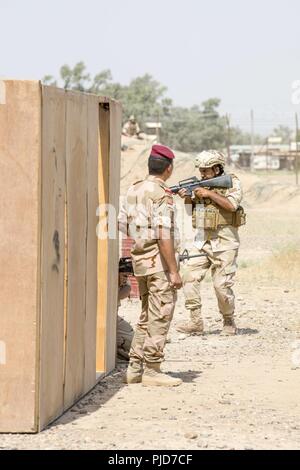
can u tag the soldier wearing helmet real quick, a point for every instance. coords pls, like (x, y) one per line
(131, 127)
(216, 217)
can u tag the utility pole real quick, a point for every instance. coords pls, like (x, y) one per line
(228, 139)
(267, 153)
(252, 141)
(296, 157)
(157, 127)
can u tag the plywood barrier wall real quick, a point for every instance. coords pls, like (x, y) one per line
(60, 160)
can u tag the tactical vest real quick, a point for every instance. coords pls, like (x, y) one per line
(209, 216)
(132, 129)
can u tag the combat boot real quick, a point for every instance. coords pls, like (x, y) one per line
(154, 376)
(134, 372)
(229, 327)
(194, 326)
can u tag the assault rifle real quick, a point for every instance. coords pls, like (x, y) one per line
(125, 264)
(190, 184)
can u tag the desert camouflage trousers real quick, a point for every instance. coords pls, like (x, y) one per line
(124, 338)
(158, 303)
(223, 268)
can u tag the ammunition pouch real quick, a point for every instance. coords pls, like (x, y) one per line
(205, 218)
(211, 218)
(239, 217)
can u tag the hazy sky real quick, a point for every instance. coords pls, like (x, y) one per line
(245, 52)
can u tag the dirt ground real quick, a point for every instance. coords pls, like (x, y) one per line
(238, 392)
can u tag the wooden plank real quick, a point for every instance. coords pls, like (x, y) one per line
(76, 151)
(92, 245)
(103, 188)
(53, 255)
(113, 243)
(20, 152)
(65, 282)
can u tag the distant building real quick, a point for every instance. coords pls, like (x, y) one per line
(265, 162)
(273, 155)
(153, 128)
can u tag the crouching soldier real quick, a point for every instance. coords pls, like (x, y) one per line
(124, 329)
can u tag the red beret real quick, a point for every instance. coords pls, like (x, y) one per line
(162, 151)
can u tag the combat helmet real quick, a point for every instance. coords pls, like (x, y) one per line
(209, 158)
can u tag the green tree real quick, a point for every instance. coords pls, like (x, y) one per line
(187, 129)
(77, 78)
(239, 137)
(284, 132)
(100, 82)
(195, 129)
(49, 80)
(144, 97)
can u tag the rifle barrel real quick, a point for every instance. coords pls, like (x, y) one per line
(184, 257)
(125, 264)
(223, 181)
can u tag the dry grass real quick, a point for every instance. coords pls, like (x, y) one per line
(283, 265)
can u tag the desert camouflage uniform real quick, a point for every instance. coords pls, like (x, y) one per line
(124, 329)
(131, 129)
(124, 338)
(148, 206)
(220, 247)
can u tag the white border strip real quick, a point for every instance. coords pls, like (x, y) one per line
(2, 92)
(2, 353)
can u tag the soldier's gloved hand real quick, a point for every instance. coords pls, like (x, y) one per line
(175, 280)
(183, 193)
(202, 192)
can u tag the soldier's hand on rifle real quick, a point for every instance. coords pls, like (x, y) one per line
(183, 193)
(175, 280)
(202, 192)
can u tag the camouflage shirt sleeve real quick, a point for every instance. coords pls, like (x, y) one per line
(235, 194)
(163, 209)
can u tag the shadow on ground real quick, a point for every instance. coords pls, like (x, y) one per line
(187, 377)
(240, 331)
(96, 398)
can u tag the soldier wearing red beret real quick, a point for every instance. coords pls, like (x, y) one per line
(149, 218)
